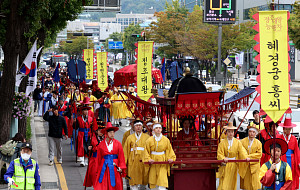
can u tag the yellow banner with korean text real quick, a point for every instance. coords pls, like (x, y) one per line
(144, 66)
(102, 70)
(274, 63)
(88, 57)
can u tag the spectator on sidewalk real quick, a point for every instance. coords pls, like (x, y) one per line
(23, 172)
(56, 125)
(37, 98)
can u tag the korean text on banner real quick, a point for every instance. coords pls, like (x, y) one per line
(274, 65)
(102, 70)
(89, 60)
(144, 65)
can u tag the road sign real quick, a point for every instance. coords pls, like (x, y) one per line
(220, 11)
(227, 61)
(115, 45)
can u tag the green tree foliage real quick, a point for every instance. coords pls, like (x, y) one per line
(294, 25)
(169, 22)
(129, 41)
(76, 47)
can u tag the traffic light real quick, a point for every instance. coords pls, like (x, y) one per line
(136, 35)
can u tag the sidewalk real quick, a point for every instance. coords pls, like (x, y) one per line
(49, 177)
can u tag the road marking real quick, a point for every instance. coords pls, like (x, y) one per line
(61, 175)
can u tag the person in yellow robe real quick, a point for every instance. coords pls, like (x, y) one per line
(78, 96)
(279, 171)
(230, 149)
(129, 132)
(93, 99)
(158, 149)
(134, 152)
(221, 130)
(250, 174)
(117, 108)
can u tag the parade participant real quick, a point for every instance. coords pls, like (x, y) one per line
(48, 82)
(78, 96)
(37, 98)
(251, 170)
(279, 171)
(62, 110)
(134, 152)
(111, 161)
(148, 128)
(23, 172)
(86, 103)
(292, 154)
(92, 99)
(187, 133)
(57, 124)
(90, 176)
(157, 149)
(54, 99)
(265, 135)
(221, 129)
(129, 132)
(46, 99)
(256, 118)
(104, 112)
(118, 107)
(230, 149)
(84, 123)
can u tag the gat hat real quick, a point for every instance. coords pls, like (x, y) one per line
(156, 124)
(131, 89)
(287, 123)
(253, 127)
(86, 101)
(109, 128)
(26, 145)
(230, 126)
(279, 143)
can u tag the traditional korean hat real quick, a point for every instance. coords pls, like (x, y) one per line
(86, 101)
(156, 124)
(85, 107)
(131, 89)
(254, 127)
(109, 128)
(230, 126)
(287, 123)
(279, 143)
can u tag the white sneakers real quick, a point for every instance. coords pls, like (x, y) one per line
(51, 163)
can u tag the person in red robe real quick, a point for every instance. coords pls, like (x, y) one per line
(265, 135)
(62, 108)
(187, 135)
(90, 176)
(86, 102)
(84, 125)
(111, 160)
(292, 155)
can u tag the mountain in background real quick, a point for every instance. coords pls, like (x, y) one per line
(134, 6)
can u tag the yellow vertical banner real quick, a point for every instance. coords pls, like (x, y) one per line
(88, 57)
(144, 66)
(274, 65)
(102, 70)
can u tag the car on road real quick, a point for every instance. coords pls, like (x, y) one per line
(250, 81)
(231, 69)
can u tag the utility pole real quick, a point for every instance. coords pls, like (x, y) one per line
(219, 76)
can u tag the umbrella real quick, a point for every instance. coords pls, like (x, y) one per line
(127, 75)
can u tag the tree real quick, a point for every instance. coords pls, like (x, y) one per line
(129, 41)
(169, 22)
(22, 23)
(76, 47)
(294, 26)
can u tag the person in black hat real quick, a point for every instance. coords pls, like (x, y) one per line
(57, 124)
(23, 167)
(279, 171)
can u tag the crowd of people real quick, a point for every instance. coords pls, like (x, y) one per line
(90, 117)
